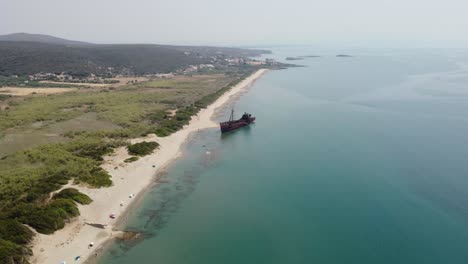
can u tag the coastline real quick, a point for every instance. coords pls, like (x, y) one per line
(130, 180)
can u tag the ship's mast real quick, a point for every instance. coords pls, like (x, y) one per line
(231, 118)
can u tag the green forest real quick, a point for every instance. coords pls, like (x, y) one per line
(24, 58)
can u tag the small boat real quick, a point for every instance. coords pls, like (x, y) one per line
(232, 124)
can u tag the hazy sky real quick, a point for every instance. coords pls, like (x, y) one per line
(366, 23)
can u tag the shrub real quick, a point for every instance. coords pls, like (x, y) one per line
(74, 194)
(162, 132)
(91, 147)
(4, 97)
(14, 231)
(131, 159)
(47, 219)
(178, 121)
(65, 207)
(12, 253)
(143, 148)
(96, 177)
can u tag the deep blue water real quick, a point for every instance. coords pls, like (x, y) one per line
(352, 160)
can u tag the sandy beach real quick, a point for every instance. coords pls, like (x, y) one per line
(129, 181)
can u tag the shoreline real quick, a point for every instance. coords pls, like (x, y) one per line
(130, 181)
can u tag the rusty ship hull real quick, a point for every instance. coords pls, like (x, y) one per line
(232, 124)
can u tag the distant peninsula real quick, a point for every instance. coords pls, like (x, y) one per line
(343, 56)
(294, 58)
(302, 57)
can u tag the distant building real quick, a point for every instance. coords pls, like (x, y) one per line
(43, 76)
(204, 66)
(190, 69)
(234, 61)
(162, 75)
(256, 62)
(271, 62)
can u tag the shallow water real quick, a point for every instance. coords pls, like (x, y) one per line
(352, 160)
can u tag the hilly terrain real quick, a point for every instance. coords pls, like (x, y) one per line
(25, 54)
(41, 38)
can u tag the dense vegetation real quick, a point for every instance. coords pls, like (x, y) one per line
(142, 148)
(179, 120)
(12, 253)
(74, 194)
(23, 58)
(28, 177)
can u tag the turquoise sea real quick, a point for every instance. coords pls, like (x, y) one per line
(352, 160)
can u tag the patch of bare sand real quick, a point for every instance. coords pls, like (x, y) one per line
(24, 91)
(77, 84)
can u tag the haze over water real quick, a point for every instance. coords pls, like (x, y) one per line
(352, 160)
